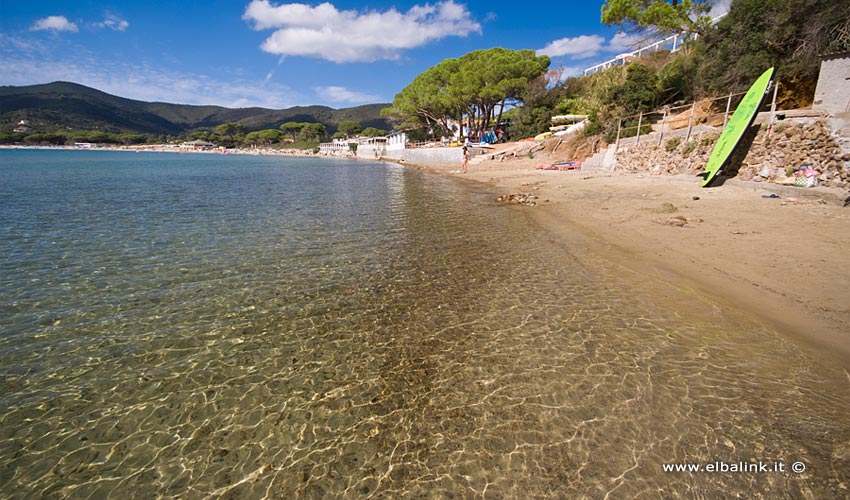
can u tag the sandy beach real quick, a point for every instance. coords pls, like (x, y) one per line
(780, 258)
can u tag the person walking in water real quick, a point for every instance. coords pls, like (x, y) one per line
(465, 160)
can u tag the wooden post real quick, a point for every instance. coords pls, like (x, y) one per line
(773, 108)
(640, 119)
(691, 121)
(661, 132)
(726, 115)
(617, 142)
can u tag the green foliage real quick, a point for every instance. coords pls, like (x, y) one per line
(301, 144)
(707, 140)
(201, 134)
(638, 92)
(306, 133)
(229, 129)
(672, 143)
(757, 34)
(374, 132)
(689, 148)
(539, 104)
(69, 137)
(429, 100)
(11, 138)
(293, 129)
(677, 79)
(46, 138)
(313, 132)
(267, 137)
(350, 128)
(470, 87)
(228, 134)
(658, 16)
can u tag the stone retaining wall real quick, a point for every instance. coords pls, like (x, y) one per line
(790, 146)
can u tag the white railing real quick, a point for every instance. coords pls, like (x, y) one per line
(674, 43)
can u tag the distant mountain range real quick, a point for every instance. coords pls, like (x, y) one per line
(63, 105)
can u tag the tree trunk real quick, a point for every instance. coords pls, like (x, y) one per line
(501, 110)
(486, 111)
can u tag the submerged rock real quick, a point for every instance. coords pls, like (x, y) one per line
(518, 199)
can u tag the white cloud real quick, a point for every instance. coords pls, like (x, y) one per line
(57, 23)
(585, 46)
(562, 73)
(622, 42)
(720, 7)
(113, 22)
(343, 95)
(578, 47)
(325, 32)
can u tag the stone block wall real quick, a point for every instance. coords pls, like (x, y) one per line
(791, 145)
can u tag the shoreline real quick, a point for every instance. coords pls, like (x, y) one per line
(779, 259)
(167, 148)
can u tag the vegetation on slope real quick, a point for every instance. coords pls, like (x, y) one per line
(62, 111)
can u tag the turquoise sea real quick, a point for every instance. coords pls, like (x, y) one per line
(203, 326)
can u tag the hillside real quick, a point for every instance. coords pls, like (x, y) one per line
(63, 105)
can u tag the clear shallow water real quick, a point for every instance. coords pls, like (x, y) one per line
(201, 326)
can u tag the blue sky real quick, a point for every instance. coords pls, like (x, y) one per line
(240, 53)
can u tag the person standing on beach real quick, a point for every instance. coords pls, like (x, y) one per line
(465, 160)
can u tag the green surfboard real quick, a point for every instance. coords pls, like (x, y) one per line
(738, 124)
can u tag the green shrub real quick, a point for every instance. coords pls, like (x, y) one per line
(672, 143)
(707, 140)
(689, 148)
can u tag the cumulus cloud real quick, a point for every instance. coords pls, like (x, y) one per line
(584, 46)
(114, 23)
(56, 23)
(578, 47)
(341, 36)
(622, 42)
(343, 95)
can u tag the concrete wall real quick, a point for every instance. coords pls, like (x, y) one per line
(833, 91)
(371, 151)
(427, 156)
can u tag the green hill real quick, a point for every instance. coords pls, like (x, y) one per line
(63, 105)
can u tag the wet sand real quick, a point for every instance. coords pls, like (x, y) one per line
(782, 259)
